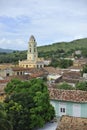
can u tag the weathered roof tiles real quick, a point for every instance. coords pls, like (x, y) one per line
(68, 95)
(72, 123)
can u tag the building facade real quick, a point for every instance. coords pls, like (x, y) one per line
(32, 60)
(69, 102)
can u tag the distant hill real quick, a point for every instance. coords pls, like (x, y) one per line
(5, 50)
(66, 46)
(55, 50)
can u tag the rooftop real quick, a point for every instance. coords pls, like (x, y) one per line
(68, 95)
(52, 70)
(72, 123)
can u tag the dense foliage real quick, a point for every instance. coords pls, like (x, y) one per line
(62, 63)
(65, 86)
(84, 70)
(65, 46)
(79, 86)
(5, 124)
(13, 57)
(82, 86)
(28, 104)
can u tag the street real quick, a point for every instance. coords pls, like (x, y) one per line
(49, 126)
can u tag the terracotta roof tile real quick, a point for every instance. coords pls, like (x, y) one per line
(52, 70)
(3, 81)
(68, 95)
(19, 69)
(72, 123)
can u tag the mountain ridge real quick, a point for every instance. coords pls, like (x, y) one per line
(5, 50)
(58, 45)
(78, 43)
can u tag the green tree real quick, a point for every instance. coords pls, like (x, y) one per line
(64, 63)
(5, 124)
(84, 52)
(54, 62)
(28, 104)
(18, 114)
(65, 86)
(82, 86)
(84, 70)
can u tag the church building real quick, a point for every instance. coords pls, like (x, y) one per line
(32, 60)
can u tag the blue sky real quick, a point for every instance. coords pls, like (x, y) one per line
(48, 20)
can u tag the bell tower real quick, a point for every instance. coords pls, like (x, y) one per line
(32, 60)
(32, 54)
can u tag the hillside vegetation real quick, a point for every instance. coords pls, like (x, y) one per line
(66, 46)
(55, 50)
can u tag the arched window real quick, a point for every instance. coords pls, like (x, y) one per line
(26, 66)
(30, 49)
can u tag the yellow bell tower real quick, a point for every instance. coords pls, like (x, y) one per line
(32, 54)
(32, 60)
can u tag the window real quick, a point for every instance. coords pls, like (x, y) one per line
(17, 73)
(26, 66)
(20, 73)
(7, 74)
(37, 66)
(30, 49)
(62, 110)
(40, 66)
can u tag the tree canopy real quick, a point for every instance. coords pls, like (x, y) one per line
(65, 86)
(5, 124)
(84, 70)
(62, 63)
(82, 86)
(28, 105)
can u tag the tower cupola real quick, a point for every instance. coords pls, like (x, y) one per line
(32, 39)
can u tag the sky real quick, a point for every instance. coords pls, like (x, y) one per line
(49, 21)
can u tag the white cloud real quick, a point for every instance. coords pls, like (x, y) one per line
(49, 20)
(16, 8)
(17, 44)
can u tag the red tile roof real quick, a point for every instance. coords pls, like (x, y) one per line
(72, 74)
(72, 123)
(19, 69)
(68, 95)
(4, 81)
(52, 70)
